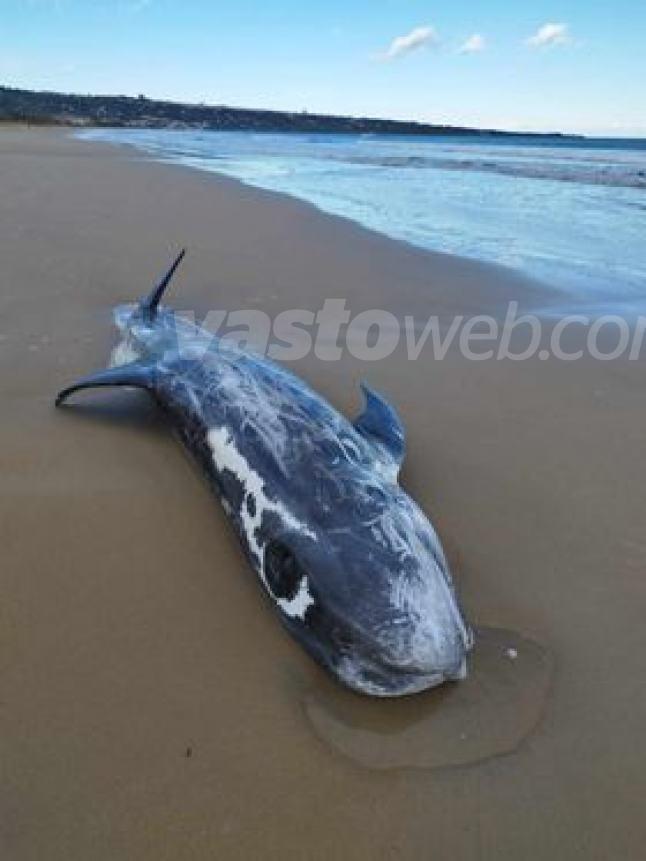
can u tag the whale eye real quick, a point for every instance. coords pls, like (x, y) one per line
(282, 570)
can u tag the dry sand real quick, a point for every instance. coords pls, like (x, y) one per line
(151, 706)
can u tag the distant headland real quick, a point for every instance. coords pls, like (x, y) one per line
(49, 108)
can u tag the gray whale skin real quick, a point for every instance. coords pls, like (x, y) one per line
(353, 567)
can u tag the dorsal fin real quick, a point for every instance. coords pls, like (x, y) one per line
(381, 425)
(149, 304)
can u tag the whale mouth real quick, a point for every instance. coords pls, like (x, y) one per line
(373, 678)
(376, 669)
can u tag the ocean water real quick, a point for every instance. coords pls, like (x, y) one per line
(569, 212)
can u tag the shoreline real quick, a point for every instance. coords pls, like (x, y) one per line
(570, 270)
(152, 705)
(499, 285)
(539, 293)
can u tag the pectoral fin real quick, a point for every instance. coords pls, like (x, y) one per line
(380, 424)
(135, 374)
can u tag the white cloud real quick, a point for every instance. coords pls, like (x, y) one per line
(550, 34)
(418, 38)
(473, 45)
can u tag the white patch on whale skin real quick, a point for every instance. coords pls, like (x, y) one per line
(123, 354)
(387, 468)
(124, 351)
(226, 456)
(300, 603)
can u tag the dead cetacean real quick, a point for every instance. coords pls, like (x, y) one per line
(352, 565)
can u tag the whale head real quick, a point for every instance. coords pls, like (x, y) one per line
(374, 604)
(354, 567)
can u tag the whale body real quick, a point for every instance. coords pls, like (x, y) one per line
(352, 565)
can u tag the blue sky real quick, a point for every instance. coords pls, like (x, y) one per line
(571, 65)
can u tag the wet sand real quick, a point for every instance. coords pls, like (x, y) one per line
(151, 706)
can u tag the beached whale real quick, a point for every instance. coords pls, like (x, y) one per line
(353, 566)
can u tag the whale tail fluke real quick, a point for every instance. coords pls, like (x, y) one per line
(135, 374)
(150, 303)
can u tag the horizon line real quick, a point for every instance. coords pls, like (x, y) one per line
(450, 127)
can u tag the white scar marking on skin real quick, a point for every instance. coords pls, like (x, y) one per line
(424, 596)
(227, 456)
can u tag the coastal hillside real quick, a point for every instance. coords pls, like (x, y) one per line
(140, 112)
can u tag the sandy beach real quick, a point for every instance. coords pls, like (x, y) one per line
(151, 705)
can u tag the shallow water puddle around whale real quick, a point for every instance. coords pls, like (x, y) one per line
(487, 714)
